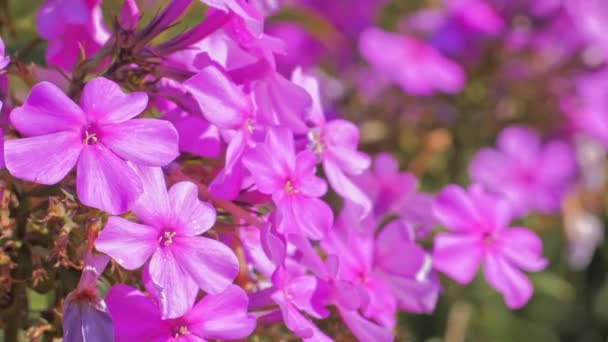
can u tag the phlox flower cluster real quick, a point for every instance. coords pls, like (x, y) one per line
(232, 197)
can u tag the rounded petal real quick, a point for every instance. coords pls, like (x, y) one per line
(520, 143)
(347, 189)
(221, 101)
(457, 256)
(490, 168)
(312, 216)
(175, 287)
(47, 109)
(195, 217)
(558, 162)
(148, 142)
(104, 102)
(222, 316)
(106, 182)
(152, 206)
(454, 209)
(130, 244)
(211, 264)
(514, 286)
(341, 133)
(45, 159)
(522, 248)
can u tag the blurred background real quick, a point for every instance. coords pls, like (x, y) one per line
(540, 63)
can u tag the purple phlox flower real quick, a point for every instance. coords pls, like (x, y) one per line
(291, 181)
(479, 234)
(85, 315)
(99, 136)
(4, 60)
(216, 316)
(532, 176)
(335, 144)
(412, 64)
(181, 261)
(69, 26)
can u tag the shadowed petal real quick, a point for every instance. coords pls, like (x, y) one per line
(176, 289)
(152, 206)
(135, 317)
(105, 181)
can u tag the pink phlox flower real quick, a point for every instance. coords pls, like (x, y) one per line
(479, 233)
(216, 316)
(4, 60)
(68, 26)
(291, 180)
(531, 175)
(180, 261)
(335, 144)
(98, 137)
(414, 65)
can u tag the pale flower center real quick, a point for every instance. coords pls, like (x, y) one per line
(180, 331)
(90, 138)
(166, 238)
(289, 188)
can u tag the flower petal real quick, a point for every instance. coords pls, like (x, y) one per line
(211, 264)
(44, 159)
(105, 181)
(222, 316)
(523, 248)
(149, 142)
(514, 286)
(458, 256)
(104, 102)
(130, 244)
(312, 216)
(347, 189)
(47, 109)
(454, 209)
(152, 206)
(221, 101)
(176, 289)
(195, 217)
(364, 329)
